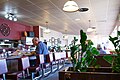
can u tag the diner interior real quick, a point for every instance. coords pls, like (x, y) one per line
(56, 23)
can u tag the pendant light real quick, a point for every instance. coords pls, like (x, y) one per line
(70, 6)
(47, 30)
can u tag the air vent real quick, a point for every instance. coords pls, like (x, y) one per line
(101, 21)
(83, 9)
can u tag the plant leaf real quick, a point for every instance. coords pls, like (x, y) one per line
(108, 58)
(95, 51)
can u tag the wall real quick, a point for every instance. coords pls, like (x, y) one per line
(36, 31)
(15, 29)
(71, 38)
(48, 36)
(56, 35)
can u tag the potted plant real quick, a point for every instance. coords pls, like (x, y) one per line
(85, 53)
(84, 66)
(114, 59)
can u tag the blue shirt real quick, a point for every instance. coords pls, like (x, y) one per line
(42, 48)
(102, 51)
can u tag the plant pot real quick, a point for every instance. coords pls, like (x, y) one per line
(102, 73)
(102, 62)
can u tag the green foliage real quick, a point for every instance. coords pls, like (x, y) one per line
(115, 61)
(109, 59)
(85, 53)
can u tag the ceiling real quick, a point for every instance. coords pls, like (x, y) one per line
(103, 14)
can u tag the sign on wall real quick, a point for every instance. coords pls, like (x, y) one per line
(5, 29)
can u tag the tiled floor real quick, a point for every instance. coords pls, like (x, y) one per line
(55, 75)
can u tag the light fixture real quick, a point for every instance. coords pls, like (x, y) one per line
(47, 30)
(77, 19)
(11, 16)
(70, 6)
(90, 29)
(65, 36)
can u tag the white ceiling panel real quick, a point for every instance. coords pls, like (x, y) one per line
(102, 14)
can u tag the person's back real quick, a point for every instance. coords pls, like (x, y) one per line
(41, 48)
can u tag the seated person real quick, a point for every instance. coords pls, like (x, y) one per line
(41, 48)
(100, 49)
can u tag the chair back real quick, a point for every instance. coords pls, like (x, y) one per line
(51, 57)
(41, 58)
(57, 56)
(23, 63)
(63, 55)
(3, 66)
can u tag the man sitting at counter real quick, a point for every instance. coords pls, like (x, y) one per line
(41, 48)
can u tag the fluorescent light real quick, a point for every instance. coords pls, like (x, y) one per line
(77, 19)
(6, 40)
(70, 6)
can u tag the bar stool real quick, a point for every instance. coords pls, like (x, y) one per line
(44, 65)
(34, 70)
(7, 75)
(3, 69)
(22, 69)
(57, 58)
(41, 61)
(50, 60)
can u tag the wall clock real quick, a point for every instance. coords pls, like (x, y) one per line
(5, 29)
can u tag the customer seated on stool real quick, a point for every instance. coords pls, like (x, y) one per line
(41, 48)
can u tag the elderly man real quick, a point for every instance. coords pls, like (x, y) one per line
(41, 47)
